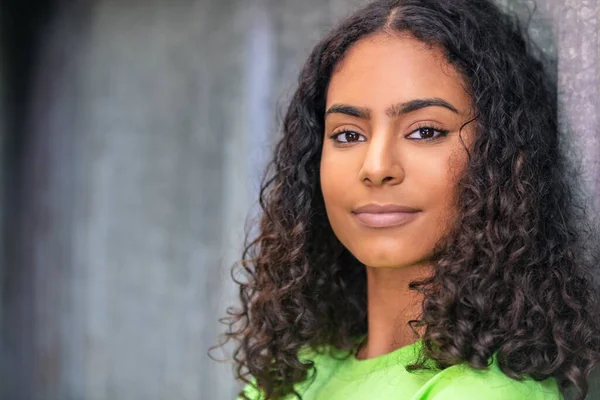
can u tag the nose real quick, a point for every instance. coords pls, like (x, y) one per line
(381, 164)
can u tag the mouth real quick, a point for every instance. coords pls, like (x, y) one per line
(378, 216)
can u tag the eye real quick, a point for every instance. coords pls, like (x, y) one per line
(427, 133)
(347, 137)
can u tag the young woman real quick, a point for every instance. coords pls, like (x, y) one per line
(418, 234)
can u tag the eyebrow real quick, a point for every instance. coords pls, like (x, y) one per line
(393, 111)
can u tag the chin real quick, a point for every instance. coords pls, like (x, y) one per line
(383, 259)
(389, 252)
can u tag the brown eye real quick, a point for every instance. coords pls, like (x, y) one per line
(347, 137)
(427, 133)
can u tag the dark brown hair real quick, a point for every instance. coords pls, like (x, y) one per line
(512, 275)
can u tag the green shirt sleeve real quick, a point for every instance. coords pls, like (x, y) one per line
(460, 382)
(251, 391)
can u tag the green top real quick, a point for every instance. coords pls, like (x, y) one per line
(385, 377)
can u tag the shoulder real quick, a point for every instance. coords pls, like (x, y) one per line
(305, 354)
(251, 391)
(464, 382)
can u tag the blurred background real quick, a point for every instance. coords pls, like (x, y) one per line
(133, 134)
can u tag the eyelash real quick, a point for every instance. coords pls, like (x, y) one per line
(442, 133)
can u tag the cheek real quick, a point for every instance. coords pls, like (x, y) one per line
(338, 185)
(328, 182)
(441, 187)
(336, 176)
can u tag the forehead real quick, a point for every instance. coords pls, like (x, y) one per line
(383, 68)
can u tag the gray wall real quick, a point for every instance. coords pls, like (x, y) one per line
(149, 124)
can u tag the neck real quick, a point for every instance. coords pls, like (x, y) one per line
(390, 305)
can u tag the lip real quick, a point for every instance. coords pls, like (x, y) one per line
(384, 216)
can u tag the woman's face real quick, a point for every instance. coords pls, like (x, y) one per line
(393, 114)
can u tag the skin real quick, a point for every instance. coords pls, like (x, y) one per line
(384, 159)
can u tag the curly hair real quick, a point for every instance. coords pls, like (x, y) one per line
(512, 275)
